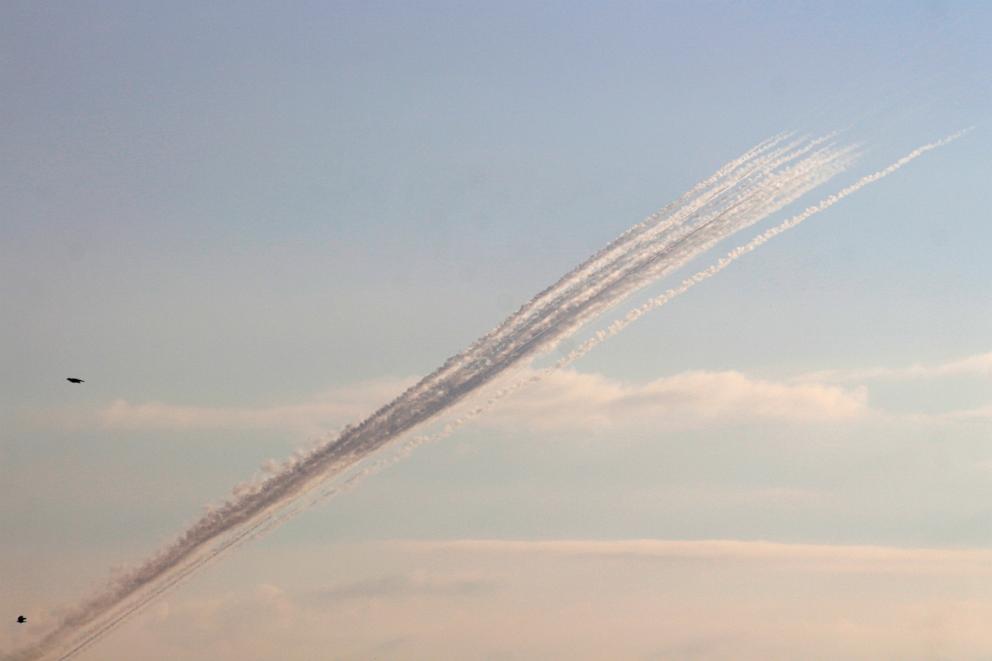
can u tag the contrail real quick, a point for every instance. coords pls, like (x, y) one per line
(611, 331)
(270, 521)
(742, 193)
(278, 518)
(740, 177)
(618, 326)
(632, 316)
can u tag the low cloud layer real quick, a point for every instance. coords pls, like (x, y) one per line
(394, 586)
(583, 599)
(832, 557)
(566, 400)
(975, 365)
(570, 400)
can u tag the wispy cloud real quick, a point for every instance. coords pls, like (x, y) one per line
(657, 598)
(981, 414)
(573, 400)
(856, 558)
(565, 400)
(322, 413)
(976, 365)
(404, 585)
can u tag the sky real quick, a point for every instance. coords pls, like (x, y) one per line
(247, 225)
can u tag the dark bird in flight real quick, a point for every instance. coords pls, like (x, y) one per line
(21, 619)
(74, 380)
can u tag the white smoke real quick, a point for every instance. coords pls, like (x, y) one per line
(740, 194)
(613, 329)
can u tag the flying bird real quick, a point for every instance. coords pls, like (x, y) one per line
(21, 619)
(74, 380)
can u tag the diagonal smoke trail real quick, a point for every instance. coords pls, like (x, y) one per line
(646, 260)
(597, 339)
(746, 169)
(738, 252)
(276, 519)
(617, 327)
(741, 177)
(777, 193)
(771, 178)
(633, 315)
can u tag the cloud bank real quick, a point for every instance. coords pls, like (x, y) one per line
(587, 599)
(574, 401)
(975, 365)
(565, 400)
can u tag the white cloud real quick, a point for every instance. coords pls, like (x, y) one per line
(569, 400)
(565, 400)
(575, 401)
(976, 365)
(394, 586)
(978, 414)
(582, 599)
(846, 558)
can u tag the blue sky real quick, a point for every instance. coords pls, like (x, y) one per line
(247, 225)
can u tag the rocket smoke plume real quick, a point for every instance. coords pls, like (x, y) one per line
(615, 328)
(740, 194)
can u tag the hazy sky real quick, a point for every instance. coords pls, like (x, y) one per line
(246, 225)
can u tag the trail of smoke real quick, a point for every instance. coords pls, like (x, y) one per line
(256, 511)
(259, 528)
(743, 177)
(147, 573)
(633, 315)
(265, 525)
(736, 212)
(530, 341)
(195, 563)
(614, 329)
(127, 610)
(735, 179)
(636, 313)
(731, 174)
(419, 405)
(619, 325)
(652, 265)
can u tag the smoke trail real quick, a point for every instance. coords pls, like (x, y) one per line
(742, 177)
(656, 229)
(748, 192)
(616, 327)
